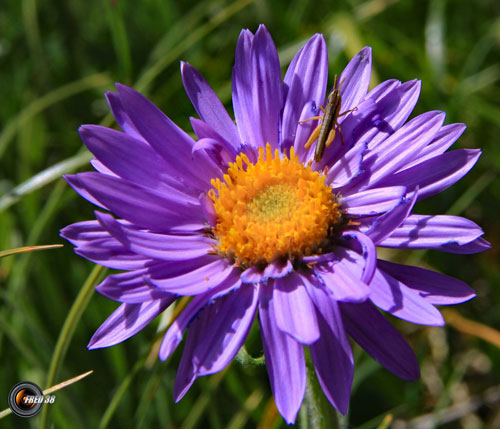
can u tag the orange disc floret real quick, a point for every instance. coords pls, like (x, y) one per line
(274, 208)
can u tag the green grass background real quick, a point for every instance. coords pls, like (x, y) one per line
(57, 57)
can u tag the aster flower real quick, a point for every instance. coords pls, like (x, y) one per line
(247, 223)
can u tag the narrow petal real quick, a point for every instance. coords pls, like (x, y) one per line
(387, 223)
(126, 321)
(373, 201)
(174, 212)
(305, 81)
(393, 296)
(207, 104)
(305, 128)
(403, 145)
(187, 370)
(130, 158)
(121, 116)
(96, 244)
(172, 143)
(153, 245)
(395, 102)
(285, 362)
(355, 79)
(133, 287)
(81, 233)
(436, 288)
(476, 246)
(277, 269)
(130, 288)
(341, 283)
(173, 335)
(446, 136)
(294, 310)
(436, 174)
(348, 167)
(432, 232)
(362, 244)
(242, 89)
(198, 281)
(110, 253)
(331, 354)
(75, 182)
(228, 330)
(376, 335)
(266, 89)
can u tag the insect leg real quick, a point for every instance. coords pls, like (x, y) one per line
(310, 119)
(314, 135)
(331, 136)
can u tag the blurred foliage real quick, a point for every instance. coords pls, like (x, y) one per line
(56, 60)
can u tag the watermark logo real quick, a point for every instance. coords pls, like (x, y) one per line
(26, 399)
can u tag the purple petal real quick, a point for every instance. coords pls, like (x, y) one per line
(274, 270)
(364, 245)
(207, 104)
(278, 269)
(387, 223)
(101, 168)
(81, 233)
(126, 321)
(242, 89)
(130, 288)
(186, 371)
(331, 354)
(94, 243)
(393, 296)
(172, 143)
(476, 246)
(436, 174)
(355, 79)
(174, 212)
(129, 158)
(199, 280)
(121, 117)
(403, 145)
(173, 335)
(342, 282)
(108, 252)
(293, 309)
(346, 168)
(432, 232)
(227, 331)
(394, 102)
(284, 360)
(266, 89)
(376, 335)
(373, 201)
(75, 182)
(133, 287)
(305, 80)
(159, 246)
(435, 288)
(304, 130)
(446, 136)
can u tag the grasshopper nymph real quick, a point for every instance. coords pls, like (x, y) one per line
(325, 132)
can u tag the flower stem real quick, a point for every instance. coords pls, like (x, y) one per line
(316, 411)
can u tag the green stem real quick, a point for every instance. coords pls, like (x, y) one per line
(68, 330)
(316, 411)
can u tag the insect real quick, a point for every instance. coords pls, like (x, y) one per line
(326, 131)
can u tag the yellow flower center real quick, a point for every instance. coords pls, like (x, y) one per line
(274, 208)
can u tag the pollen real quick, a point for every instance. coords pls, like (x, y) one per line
(273, 208)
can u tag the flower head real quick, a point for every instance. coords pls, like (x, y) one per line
(246, 222)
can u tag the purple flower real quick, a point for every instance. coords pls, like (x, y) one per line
(247, 223)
